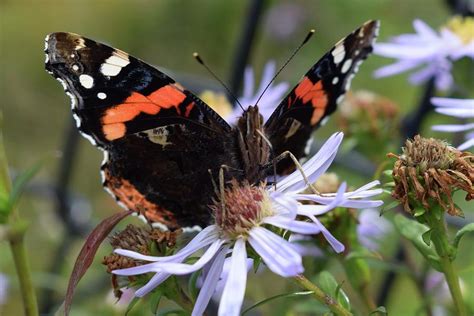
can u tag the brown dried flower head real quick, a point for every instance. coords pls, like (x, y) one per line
(140, 240)
(430, 169)
(242, 207)
(137, 239)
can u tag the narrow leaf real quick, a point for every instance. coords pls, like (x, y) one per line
(87, 253)
(155, 301)
(284, 295)
(469, 228)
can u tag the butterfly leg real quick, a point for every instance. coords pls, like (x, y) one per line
(288, 154)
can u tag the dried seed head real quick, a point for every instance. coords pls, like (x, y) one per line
(140, 240)
(242, 207)
(430, 169)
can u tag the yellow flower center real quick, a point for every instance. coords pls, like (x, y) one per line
(463, 27)
(217, 101)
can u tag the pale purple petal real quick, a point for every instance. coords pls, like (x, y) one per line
(424, 30)
(201, 240)
(313, 168)
(284, 205)
(249, 84)
(406, 52)
(453, 127)
(423, 74)
(292, 225)
(468, 144)
(335, 244)
(156, 280)
(371, 228)
(451, 102)
(457, 112)
(210, 283)
(234, 289)
(277, 253)
(396, 68)
(466, 51)
(331, 202)
(183, 268)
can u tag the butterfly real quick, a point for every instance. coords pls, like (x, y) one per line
(164, 147)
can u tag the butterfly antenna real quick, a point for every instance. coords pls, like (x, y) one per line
(306, 39)
(199, 60)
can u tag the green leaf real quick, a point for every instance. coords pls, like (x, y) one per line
(413, 231)
(192, 288)
(330, 286)
(178, 312)
(284, 295)
(387, 172)
(155, 300)
(21, 181)
(427, 237)
(132, 303)
(469, 228)
(381, 310)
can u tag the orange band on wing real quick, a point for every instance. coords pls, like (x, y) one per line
(136, 201)
(314, 93)
(137, 103)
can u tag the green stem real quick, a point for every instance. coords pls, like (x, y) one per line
(322, 297)
(17, 245)
(16, 237)
(445, 252)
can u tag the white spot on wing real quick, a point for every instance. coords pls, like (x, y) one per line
(324, 121)
(86, 81)
(114, 64)
(110, 70)
(46, 58)
(338, 53)
(348, 82)
(335, 80)
(101, 95)
(346, 66)
(75, 67)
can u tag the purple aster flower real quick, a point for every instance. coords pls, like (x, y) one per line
(461, 108)
(248, 217)
(431, 50)
(270, 99)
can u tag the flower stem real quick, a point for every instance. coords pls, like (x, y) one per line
(17, 245)
(322, 297)
(445, 252)
(16, 236)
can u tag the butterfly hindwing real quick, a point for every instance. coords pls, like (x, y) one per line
(319, 92)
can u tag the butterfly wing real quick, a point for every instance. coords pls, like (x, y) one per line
(317, 95)
(160, 141)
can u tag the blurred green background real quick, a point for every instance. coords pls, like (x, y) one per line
(36, 112)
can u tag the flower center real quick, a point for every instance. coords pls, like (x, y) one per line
(426, 153)
(463, 27)
(242, 207)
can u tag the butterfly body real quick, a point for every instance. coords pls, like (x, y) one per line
(164, 147)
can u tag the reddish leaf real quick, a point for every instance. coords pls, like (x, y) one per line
(87, 254)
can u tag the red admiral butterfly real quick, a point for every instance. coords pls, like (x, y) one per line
(163, 146)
